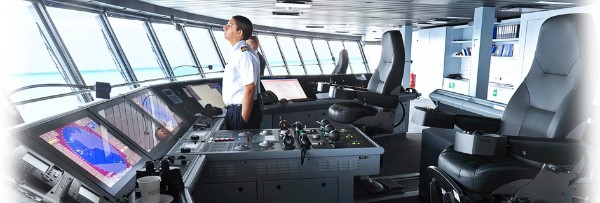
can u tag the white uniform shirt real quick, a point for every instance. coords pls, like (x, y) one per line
(242, 69)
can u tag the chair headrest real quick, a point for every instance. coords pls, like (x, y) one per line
(560, 42)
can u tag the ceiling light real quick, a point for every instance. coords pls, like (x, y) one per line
(458, 18)
(552, 3)
(293, 4)
(290, 14)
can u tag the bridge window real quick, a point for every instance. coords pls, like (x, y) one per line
(30, 63)
(83, 37)
(205, 50)
(134, 42)
(336, 47)
(177, 51)
(308, 56)
(224, 45)
(324, 55)
(373, 54)
(272, 55)
(357, 64)
(290, 53)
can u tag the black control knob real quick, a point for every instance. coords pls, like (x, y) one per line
(334, 135)
(323, 122)
(195, 137)
(171, 159)
(328, 128)
(283, 124)
(164, 165)
(312, 131)
(298, 125)
(186, 150)
(288, 142)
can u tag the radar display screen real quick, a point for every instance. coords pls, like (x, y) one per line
(158, 109)
(93, 148)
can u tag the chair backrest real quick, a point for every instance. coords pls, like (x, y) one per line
(342, 63)
(390, 70)
(556, 95)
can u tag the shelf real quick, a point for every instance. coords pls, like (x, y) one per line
(505, 40)
(461, 41)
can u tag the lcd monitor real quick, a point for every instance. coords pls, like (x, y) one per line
(158, 109)
(93, 148)
(208, 93)
(285, 88)
(133, 122)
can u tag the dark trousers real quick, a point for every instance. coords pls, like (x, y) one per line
(234, 120)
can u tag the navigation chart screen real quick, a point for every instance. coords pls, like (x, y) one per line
(93, 148)
(209, 93)
(158, 109)
(285, 88)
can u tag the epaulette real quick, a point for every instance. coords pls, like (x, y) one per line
(244, 48)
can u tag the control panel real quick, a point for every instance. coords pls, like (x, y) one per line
(288, 137)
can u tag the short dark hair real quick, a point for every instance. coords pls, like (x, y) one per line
(245, 25)
(255, 39)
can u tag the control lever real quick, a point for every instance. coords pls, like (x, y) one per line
(288, 142)
(304, 145)
(283, 124)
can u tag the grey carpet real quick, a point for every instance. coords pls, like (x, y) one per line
(401, 155)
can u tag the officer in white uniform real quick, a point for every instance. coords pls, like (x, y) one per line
(241, 78)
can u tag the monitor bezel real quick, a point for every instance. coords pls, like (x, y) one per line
(158, 150)
(31, 138)
(176, 131)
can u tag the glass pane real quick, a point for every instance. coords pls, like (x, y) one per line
(83, 37)
(224, 45)
(30, 63)
(324, 55)
(336, 47)
(308, 56)
(272, 55)
(357, 64)
(205, 50)
(291, 55)
(138, 50)
(176, 50)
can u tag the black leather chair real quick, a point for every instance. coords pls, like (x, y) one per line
(381, 92)
(342, 64)
(543, 121)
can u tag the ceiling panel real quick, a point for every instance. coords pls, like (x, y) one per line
(357, 17)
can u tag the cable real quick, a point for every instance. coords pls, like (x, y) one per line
(403, 114)
(49, 85)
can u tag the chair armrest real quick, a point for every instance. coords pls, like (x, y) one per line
(546, 150)
(434, 118)
(376, 99)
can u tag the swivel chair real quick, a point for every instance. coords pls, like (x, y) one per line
(543, 122)
(342, 64)
(379, 100)
(381, 96)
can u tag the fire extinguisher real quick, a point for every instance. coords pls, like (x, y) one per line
(413, 78)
